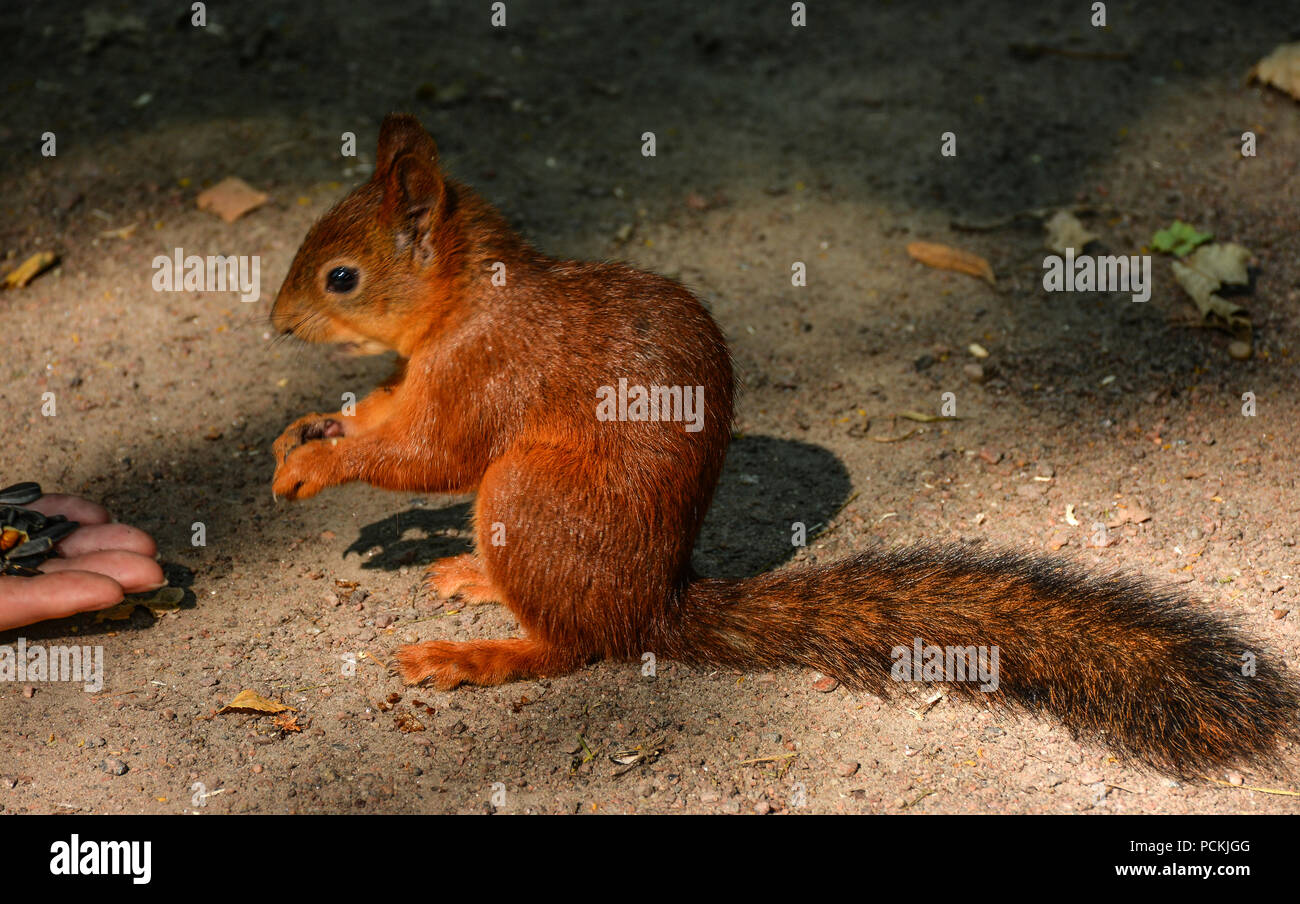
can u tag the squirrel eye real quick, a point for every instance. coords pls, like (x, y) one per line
(341, 279)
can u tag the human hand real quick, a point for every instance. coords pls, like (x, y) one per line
(95, 566)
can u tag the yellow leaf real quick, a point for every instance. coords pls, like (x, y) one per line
(247, 701)
(29, 269)
(945, 257)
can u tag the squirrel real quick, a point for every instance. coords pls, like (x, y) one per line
(584, 519)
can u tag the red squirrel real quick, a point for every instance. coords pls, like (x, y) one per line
(584, 523)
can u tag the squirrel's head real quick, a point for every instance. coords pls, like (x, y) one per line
(375, 263)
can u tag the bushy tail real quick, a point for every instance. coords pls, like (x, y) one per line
(1112, 658)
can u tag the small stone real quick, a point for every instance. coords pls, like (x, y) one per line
(383, 621)
(114, 767)
(169, 714)
(992, 456)
(825, 684)
(762, 808)
(95, 742)
(1234, 778)
(210, 681)
(973, 372)
(1279, 614)
(29, 692)
(1239, 350)
(847, 769)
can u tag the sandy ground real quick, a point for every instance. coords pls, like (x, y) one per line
(775, 145)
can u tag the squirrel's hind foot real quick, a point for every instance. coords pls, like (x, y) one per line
(461, 576)
(447, 664)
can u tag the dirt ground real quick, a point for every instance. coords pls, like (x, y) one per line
(775, 144)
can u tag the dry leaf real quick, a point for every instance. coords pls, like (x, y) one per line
(407, 722)
(286, 722)
(29, 269)
(1204, 272)
(1065, 231)
(1281, 69)
(231, 198)
(945, 257)
(247, 701)
(1224, 261)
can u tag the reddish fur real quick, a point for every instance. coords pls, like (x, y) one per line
(495, 393)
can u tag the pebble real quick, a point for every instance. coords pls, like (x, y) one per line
(95, 742)
(1234, 778)
(825, 684)
(847, 769)
(114, 767)
(762, 808)
(974, 373)
(383, 621)
(29, 692)
(209, 681)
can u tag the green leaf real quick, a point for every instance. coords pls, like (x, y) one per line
(1180, 239)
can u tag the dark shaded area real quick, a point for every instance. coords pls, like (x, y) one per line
(580, 82)
(417, 536)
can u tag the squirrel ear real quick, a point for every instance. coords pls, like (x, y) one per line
(413, 203)
(402, 134)
(407, 167)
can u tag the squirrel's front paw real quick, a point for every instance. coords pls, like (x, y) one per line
(305, 470)
(303, 431)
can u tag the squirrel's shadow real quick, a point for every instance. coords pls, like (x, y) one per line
(416, 536)
(769, 486)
